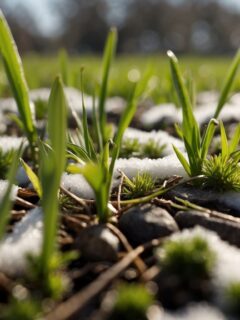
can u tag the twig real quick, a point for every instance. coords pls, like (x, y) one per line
(24, 203)
(74, 304)
(80, 201)
(139, 263)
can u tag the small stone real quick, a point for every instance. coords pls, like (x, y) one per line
(227, 230)
(98, 243)
(144, 223)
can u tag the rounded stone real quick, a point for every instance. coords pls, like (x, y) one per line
(145, 223)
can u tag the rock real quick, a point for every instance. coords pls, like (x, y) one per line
(227, 230)
(144, 223)
(228, 202)
(98, 243)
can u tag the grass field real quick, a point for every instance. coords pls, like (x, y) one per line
(207, 72)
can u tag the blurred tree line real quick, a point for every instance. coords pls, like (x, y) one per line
(185, 26)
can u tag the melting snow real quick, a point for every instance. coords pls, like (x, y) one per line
(25, 239)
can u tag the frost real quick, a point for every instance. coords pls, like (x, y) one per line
(25, 239)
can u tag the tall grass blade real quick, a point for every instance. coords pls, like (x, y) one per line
(52, 166)
(228, 84)
(182, 160)
(207, 138)
(33, 178)
(224, 141)
(14, 70)
(57, 115)
(109, 53)
(6, 203)
(188, 118)
(63, 61)
(234, 140)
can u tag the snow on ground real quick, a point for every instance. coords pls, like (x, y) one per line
(161, 137)
(25, 239)
(8, 143)
(74, 99)
(158, 168)
(226, 269)
(199, 311)
(3, 187)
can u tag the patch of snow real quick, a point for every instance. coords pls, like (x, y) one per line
(235, 99)
(77, 184)
(74, 99)
(207, 97)
(157, 113)
(157, 168)
(198, 311)
(226, 269)
(8, 143)
(25, 239)
(159, 136)
(3, 188)
(8, 105)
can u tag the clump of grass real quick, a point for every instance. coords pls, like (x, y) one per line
(222, 171)
(222, 174)
(133, 148)
(139, 186)
(132, 302)
(232, 294)
(98, 167)
(189, 259)
(197, 145)
(130, 148)
(153, 149)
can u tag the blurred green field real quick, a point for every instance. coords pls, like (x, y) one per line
(208, 73)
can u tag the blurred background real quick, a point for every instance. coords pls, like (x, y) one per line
(204, 34)
(145, 26)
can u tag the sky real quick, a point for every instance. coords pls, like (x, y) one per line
(47, 19)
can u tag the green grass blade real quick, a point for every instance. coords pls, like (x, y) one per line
(178, 130)
(33, 178)
(188, 118)
(207, 138)
(63, 62)
(97, 126)
(234, 140)
(57, 128)
(6, 203)
(109, 53)
(182, 160)
(224, 141)
(79, 152)
(51, 167)
(228, 84)
(14, 70)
